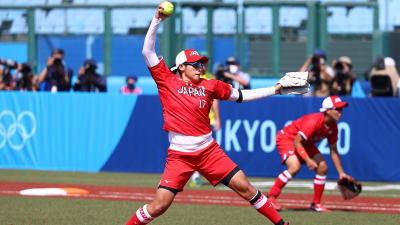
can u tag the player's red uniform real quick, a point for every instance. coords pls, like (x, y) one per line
(186, 107)
(312, 128)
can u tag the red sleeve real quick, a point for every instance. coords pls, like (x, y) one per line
(307, 126)
(222, 90)
(160, 71)
(332, 139)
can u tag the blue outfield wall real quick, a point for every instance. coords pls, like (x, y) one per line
(113, 132)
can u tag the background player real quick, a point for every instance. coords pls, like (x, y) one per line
(186, 100)
(295, 144)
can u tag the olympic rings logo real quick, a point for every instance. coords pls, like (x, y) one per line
(16, 132)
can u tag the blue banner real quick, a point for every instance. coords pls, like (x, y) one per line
(113, 132)
(368, 132)
(71, 132)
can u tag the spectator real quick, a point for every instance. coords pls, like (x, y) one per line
(130, 87)
(321, 75)
(386, 66)
(240, 79)
(56, 75)
(344, 77)
(7, 81)
(89, 79)
(26, 80)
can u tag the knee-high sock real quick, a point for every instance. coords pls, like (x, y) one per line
(280, 182)
(261, 203)
(319, 186)
(140, 217)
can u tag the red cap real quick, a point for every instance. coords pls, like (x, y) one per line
(188, 55)
(333, 102)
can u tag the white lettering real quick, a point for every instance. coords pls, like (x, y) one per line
(202, 92)
(181, 90)
(343, 128)
(230, 135)
(287, 123)
(185, 91)
(267, 136)
(192, 91)
(323, 147)
(251, 133)
(268, 124)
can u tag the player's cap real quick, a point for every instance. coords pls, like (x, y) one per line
(232, 61)
(188, 55)
(333, 102)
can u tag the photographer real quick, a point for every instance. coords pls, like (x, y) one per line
(219, 74)
(232, 74)
(26, 81)
(7, 81)
(89, 80)
(344, 78)
(321, 75)
(56, 75)
(385, 66)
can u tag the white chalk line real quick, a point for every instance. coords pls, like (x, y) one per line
(229, 200)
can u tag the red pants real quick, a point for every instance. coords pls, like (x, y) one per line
(211, 162)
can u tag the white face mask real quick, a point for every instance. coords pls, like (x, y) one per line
(321, 61)
(233, 68)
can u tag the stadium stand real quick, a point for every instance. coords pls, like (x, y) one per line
(50, 21)
(357, 20)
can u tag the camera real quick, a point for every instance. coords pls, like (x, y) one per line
(341, 75)
(26, 69)
(339, 68)
(57, 62)
(10, 64)
(315, 61)
(219, 73)
(90, 69)
(90, 66)
(316, 69)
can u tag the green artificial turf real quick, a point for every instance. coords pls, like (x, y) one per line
(17, 210)
(60, 211)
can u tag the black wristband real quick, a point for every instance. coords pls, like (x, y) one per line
(240, 99)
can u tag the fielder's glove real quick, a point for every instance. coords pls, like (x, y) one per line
(349, 188)
(294, 83)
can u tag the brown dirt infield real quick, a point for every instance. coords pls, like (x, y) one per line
(211, 197)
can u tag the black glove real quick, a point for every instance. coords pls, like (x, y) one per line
(349, 188)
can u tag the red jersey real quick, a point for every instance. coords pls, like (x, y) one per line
(312, 128)
(186, 105)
